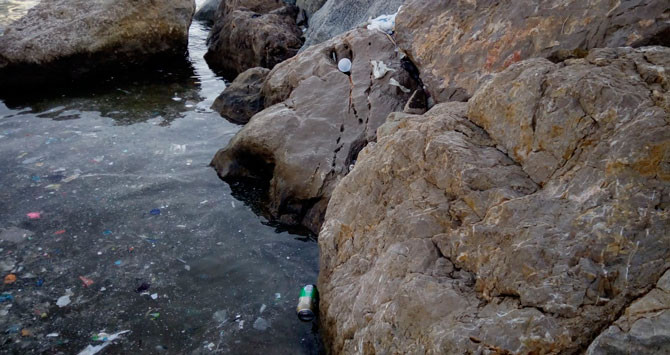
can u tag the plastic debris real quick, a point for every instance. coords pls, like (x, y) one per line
(187, 267)
(107, 232)
(261, 324)
(277, 296)
(64, 300)
(10, 279)
(210, 346)
(155, 212)
(241, 324)
(87, 282)
(6, 297)
(71, 178)
(154, 316)
(62, 231)
(35, 178)
(15, 235)
(344, 65)
(13, 329)
(118, 263)
(39, 282)
(379, 69)
(402, 88)
(26, 333)
(34, 215)
(99, 159)
(384, 23)
(53, 187)
(154, 296)
(52, 335)
(220, 316)
(91, 349)
(178, 148)
(263, 307)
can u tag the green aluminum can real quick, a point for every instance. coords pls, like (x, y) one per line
(307, 303)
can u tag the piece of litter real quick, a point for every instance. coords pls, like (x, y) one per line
(384, 23)
(379, 69)
(63, 301)
(220, 316)
(53, 187)
(154, 296)
(176, 98)
(344, 65)
(103, 289)
(118, 263)
(154, 316)
(52, 335)
(6, 297)
(155, 212)
(91, 350)
(210, 346)
(204, 202)
(178, 148)
(261, 324)
(232, 203)
(71, 178)
(187, 268)
(34, 215)
(59, 232)
(402, 88)
(189, 162)
(241, 324)
(10, 279)
(263, 307)
(277, 296)
(107, 232)
(181, 226)
(99, 159)
(87, 282)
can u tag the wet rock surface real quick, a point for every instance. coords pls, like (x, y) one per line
(316, 121)
(339, 16)
(259, 33)
(310, 6)
(526, 221)
(458, 43)
(61, 40)
(242, 98)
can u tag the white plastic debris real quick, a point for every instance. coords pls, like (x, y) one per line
(344, 65)
(52, 335)
(64, 300)
(384, 23)
(379, 69)
(261, 324)
(263, 308)
(91, 350)
(396, 83)
(154, 296)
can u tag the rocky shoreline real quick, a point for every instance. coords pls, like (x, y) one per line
(486, 178)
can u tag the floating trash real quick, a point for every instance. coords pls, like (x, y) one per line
(87, 282)
(6, 297)
(62, 231)
(10, 279)
(34, 215)
(155, 212)
(107, 232)
(118, 263)
(344, 65)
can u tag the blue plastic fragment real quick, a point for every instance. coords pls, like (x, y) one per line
(6, 297)
(118, 262)
(39, 282)
(155, 212)
(107, 232)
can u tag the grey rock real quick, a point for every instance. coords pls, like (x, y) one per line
(316, 121)
(644, 328)
(207, 12)
(310, 6)
(259, 33)
(452, 237)
(70, 39)
(242, 98)
(457, 44)
(339, 16)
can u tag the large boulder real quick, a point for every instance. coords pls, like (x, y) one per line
(242, 98)
(247, 34)
(316, 121)
(207, 12)
(70, 39)
(458, 43)
(530, 231)
(310, 6)
(339, 16)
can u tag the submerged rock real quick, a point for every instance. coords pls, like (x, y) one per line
(316, 121)
(527, 232)
(338, 16)
(259, 33)
(458, 43)
(71, 39)
(242, 98)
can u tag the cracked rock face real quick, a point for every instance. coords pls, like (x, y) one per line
(68, 39)
(458, 43)
(525, 221)
(644, 328)
(247, 34)
(316, 121)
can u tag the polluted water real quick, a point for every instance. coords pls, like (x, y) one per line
(105, 246)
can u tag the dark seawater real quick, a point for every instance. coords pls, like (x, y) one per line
(119, 175)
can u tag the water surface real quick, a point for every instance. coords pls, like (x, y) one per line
(119, 176)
